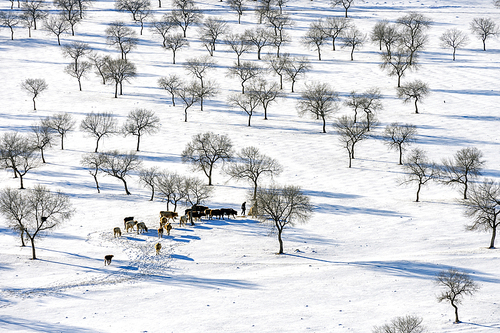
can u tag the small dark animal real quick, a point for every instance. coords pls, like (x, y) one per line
(158, 248)
(117, 232)
(107, 259)
(127, 219)
(168, 227)
(229, 212)
(160, 232)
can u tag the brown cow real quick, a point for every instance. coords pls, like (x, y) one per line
(141, 227)
(127, 219)
(117, 232)
(168, 227)
(169, 215)
(183, 220)
(158, 248)
(107, 259)
(131, 225)
(160, 232)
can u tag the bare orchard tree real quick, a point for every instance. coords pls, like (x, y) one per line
(34, 10)
(259, 38)
(196, 191)
(78, 71)
(9, 19)
(397, 63)
(140, 122)
(354, 39)
(350, 133)
(456, 285)
(140, 9)
(175, 42)
(413, 36)
(335, 27)
(245, 71)
(35, 212)
(172, 84)
(118, 71)
(238, 6)
(297, 67)
(251, 165)
(344, 3)
(19, 154)
(315, 36)
(210, 32)
(247, 103)
(120, 165)
(209, 90)
(406, 324)
(398, 136)
(419, 170)
(93, 163)
(185, 14)
(465, 165)
(238, 44)
(120, 36)
(99, 63)
(205, 150)
(414, 90)
(283, 206)
(70, 10)
(62, 123)
(279, 65)
(172, 188)
(34, 87)
(454, 39)
(27, 21)
(42, 137)
(57, 25)
(320, 101)
(262, 9)
(75, 51)
(199, 67)
(162, 27)
(279, 22)
(148, 177)
(484, 28)
(371, 104)
(266, 92)
(99, 125)
(483, 206)
(189, 95)
(378, 33)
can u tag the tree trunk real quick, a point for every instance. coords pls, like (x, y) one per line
(249, 118)
(454, 54)
(416, 107)
(43, 157)
(80, 84)
(324, 125)
(173, 58)
(400, 155)
(96, 183)
(201, 103)
(11, 33)
(293, 84)
(62, 142)
(32, 239)
(22, 238)
(333, 42)
(399, 81)
(34, 104)
(280, 240)
(418, 192)
(116, 90)
(173, 100)
(22, 183)
(58, 40)
(185, 115)
(484, 45)
(121, 88)
(125, 185)
(352, 54)
(138, 141)
(456, 312)
(493, 235)
(319, 54)
(210, 176)
(152, 194)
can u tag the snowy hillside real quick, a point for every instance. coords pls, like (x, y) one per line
(369, 252)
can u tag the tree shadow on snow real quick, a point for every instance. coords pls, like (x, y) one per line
(11, 324)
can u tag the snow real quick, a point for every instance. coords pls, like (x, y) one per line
(369, 252)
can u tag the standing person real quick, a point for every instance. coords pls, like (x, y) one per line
(243, 208)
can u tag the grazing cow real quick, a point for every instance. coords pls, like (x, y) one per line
(107, 259)
(253, 211)
(183, 220)
(130, 225)
(169, 215)
(163, 221)
(168, 227)
(158, 248)
(214, 212)
(141, 227)
(160, 232)
(127, 219)
(228, 212)
(117, 232)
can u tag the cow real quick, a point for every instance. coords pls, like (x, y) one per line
(107, 259)
(193, 215)
(127, 219)
(168, 214)
(229, 212)
(157, 248)
(130, 225)
(117, 232)
(183, 220)
(160, 232)
(214, 212)
(168, 227)
(163, 221)
(253, 211)
(141, 227)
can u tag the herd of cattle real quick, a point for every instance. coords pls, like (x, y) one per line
(195, 213)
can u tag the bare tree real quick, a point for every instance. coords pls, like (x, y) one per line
(457, 285)
(350, 133)
(99, 125)
(210, 32)
(406, 324)
(238, 43)
(79, 71)
(209, 90)
(172, 84)
(465, 165)
(189, 95)
(397, 63)
(41, 137)
(415, 90)
(27, 21)
(238, 6)
(354, 39)
(35, 212)
(251, 165)
(245, 71)
(19, 154)
(283, 206)
(185, 14)
(297, 67)
(34, 87)
(162, 27)
(34, 10)
(391, 38)
(419, 170)
(121, 37)
(483, 206)
(118, 71)
(199, 67)
(140, 9)
(99, 63)
(335, 27)
(378, 32)
(259, 38)
(140, 122)
(205, 150)
(247, 102)
(413, 35)
(279, 65)
(10, 20)
(319, 100)
(172, 188)
(345, 3)
(70, 10)
(371, 104)
(263, 9)
(93, 163)
(455, 39)
(57, 25)
(61, 123)
(279, 22)
(315, 36)
(175, 42)
(484, 28)
(119, 165)
(265, 92)
(356, 102)
(196, 191)
(149, 178)
(75, 51)
(398, 136)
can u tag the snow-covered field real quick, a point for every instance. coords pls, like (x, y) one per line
(369, 252)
